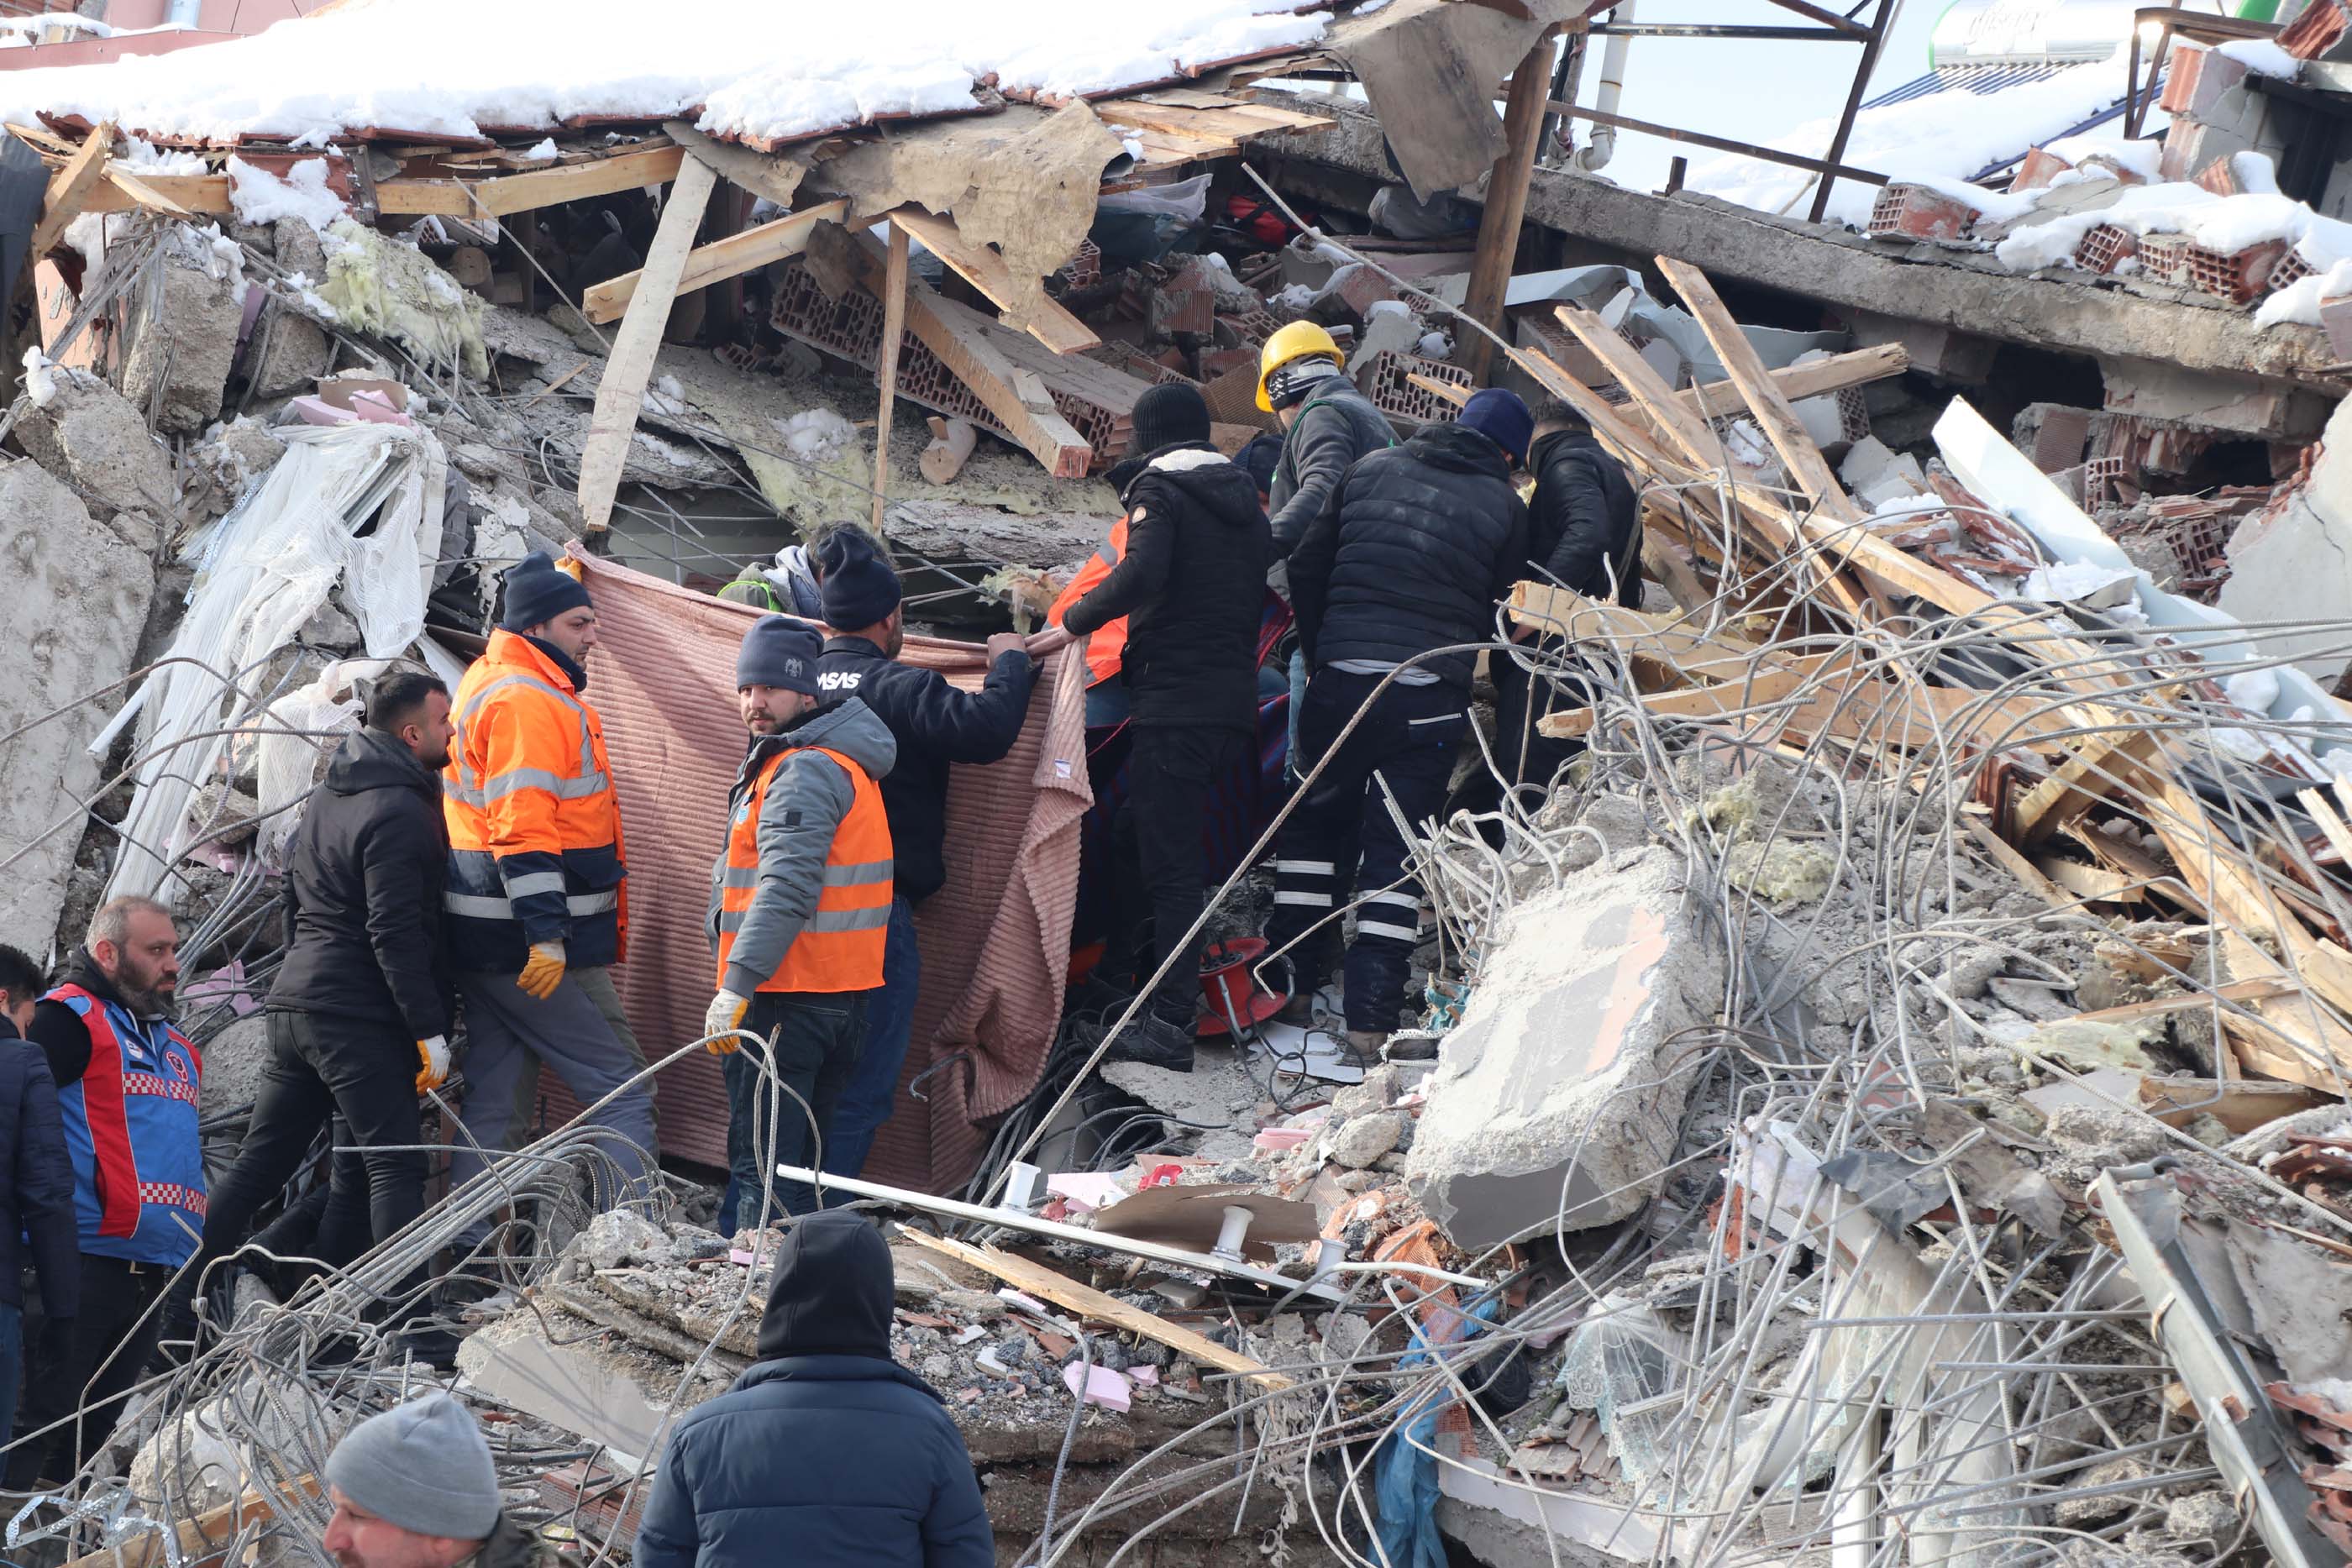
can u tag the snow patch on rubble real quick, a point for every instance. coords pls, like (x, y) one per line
(1948, 135)
(2254, 172)
(2000, 206)
(788, 70)
(2263, 57)
(543, 152)
(261, 197)
(2140, 158)
(40, 377)
(2224, 223)
(146, 158)
(2298, 302)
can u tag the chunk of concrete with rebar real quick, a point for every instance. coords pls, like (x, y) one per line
(1559, 1100)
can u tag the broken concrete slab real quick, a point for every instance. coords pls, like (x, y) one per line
(88, 435)
(75, 599)
(1560, 1096)
(180, 349)
(2290, 562)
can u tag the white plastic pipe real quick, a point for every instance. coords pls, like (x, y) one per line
(1596, 153)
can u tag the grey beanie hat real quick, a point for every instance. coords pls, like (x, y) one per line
(424, 1467)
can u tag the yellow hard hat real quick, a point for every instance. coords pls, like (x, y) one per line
(1295, 341)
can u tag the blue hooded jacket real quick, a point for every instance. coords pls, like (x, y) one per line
(826, 1453)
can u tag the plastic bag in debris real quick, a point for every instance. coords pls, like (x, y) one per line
(290, 750)
(359, 503)
(1406, 1488)
(1132, 227)
(1621, 1364)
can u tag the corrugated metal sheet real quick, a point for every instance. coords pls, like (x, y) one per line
(995, 939)
(1979, 79)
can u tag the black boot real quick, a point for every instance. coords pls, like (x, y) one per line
(1155, 1041)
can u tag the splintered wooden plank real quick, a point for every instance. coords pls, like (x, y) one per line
(621, 392)
(1679, 424)
(204, 194)
(2106, 762)
(1042, 317)
(1765, 400)
(194, 1537)
(720, 259)
(1048, 1284)
(894, 329)
(69, 189)
(136, 187)
(576, 181)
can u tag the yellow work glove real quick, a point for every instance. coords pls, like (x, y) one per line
(434, 1054)
(542, 971)
(726, 1013)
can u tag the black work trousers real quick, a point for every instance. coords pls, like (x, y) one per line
(1406, 741)
(1529, 761)
(1162, 877)
(818, 1036)
(322, 1064)
(114, 1320)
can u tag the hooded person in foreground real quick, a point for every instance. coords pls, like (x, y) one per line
(826, 1453)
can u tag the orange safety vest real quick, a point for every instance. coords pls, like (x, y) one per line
(1107, 645)
(534, 826)
(840, 948)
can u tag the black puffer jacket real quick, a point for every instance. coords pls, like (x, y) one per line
(1336, 426)
(1193, 587)
(36, 1180)
(826, 1453)
(1584, 523)
(363, 884)
(1426, 538)
(934, 725)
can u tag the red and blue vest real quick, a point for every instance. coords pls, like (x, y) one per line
(131, 1129)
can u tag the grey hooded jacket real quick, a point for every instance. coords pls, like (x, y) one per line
(807, 801)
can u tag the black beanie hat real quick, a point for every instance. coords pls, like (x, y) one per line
(538, 592)
(855, 582)
(1168, 415)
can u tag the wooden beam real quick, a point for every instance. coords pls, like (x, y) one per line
(1034, 311)
(69, 190)
(1050, 1285)
(622, 391)
(1765, 400)
(136, 187)
(720, 259)
(1016, 400)
(1507, 202)
(428, 198)
(574, 182)
(894, 327)
(204, 194)
(1679, 425)
(1769, 684)
(1718, 400)
(207, 1533)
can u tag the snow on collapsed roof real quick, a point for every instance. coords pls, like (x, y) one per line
(764, 70)
(1946, 135)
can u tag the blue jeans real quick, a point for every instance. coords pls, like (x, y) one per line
(817, 1036)
(12, 1367)
(866, 1105)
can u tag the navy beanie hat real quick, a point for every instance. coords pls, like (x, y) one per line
(855, 582)
(538, 592)
(1498, 415)
(779, 651)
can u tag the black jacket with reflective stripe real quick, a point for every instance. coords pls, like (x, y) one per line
(1426, 538)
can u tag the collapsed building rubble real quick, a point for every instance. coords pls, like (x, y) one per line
(1932, 969)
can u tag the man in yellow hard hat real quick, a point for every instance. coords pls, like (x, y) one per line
(1327, 425)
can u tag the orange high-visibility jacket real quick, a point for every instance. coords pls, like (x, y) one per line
(1106, 644)
(832, 942)
(535, 852)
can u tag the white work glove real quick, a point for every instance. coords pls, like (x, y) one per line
(434, 1054)
(727, 1010)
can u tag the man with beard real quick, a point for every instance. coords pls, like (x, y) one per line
(127, 1082)
(799, 917)
(358, 1015)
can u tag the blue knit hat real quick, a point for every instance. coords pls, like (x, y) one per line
(536, 592)
(779, 651)
(857, 582)
(1498, 415)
